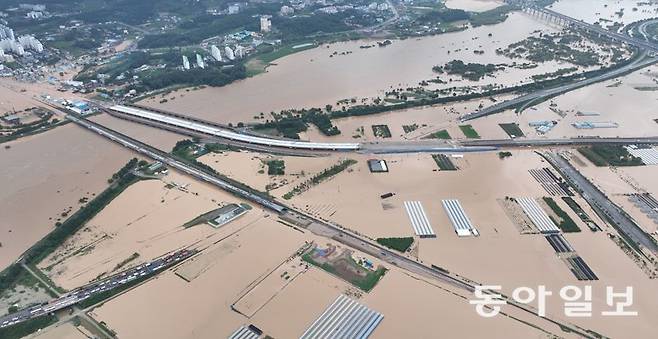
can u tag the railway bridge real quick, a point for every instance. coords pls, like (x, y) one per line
(565, 20)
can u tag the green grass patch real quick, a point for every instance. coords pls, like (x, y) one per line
(371, 279)
(504, 154)
(16, 275)
(398, 244)
(610, 155)
(259, 62)
(469, 131)
(580, 212)
(491, 17)
(567, 225)
(512, 129)
(409, 128)
(45, 278)
(276, 167)
(285, 51)
(381, 131)
(442, 134)
(592, 156)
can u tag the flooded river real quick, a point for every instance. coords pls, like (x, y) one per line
(312, 78)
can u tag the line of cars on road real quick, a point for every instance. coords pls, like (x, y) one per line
(87, 291)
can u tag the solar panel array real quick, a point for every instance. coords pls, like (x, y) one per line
(344, 318)
(537, 215)
(419, 220)
(580, 269)
(550, 182)
(559, 244)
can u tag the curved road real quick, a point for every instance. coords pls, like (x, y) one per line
(643, 29)
(598, 200)
(641, 62)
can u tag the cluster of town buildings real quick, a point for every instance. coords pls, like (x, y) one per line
(238, 51)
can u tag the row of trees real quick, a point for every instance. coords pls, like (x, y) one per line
(214, 76)
(295, 122)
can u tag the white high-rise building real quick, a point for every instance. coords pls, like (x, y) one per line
(265, 23)
(34, 15)
(199, 61)
(31, 43)
(5, 57)
(186, 62)
(239, 52)
(214, 51)
(233, 8)
(286, 10)
(229, 53)
(8, 45)
(6, 33)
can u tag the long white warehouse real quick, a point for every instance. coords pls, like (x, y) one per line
(458, 218)
(419, 219)
(227, 134)
(345, 318)
(537, 215)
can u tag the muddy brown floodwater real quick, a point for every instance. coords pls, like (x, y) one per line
(312, 78)
(44, 176)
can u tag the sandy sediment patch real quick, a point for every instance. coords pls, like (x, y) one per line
(146, 219)
(246, 167)
(63, 331)
(644, 177)
(266, 288)
(170, 307)
(201, 263)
